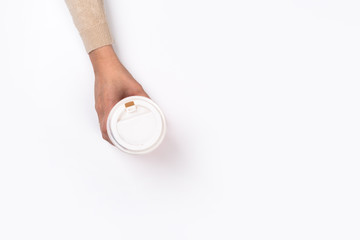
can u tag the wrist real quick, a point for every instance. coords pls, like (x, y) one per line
(104, 59)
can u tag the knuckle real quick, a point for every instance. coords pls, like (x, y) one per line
(104, 136)
(139, 88)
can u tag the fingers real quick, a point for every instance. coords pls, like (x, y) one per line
(103, 112)
(104, 132)
(106, 138)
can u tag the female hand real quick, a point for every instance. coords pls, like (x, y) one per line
(112, 83)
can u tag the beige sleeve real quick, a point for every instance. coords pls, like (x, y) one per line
(90, 20)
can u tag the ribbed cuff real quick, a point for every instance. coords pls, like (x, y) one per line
(96, 36)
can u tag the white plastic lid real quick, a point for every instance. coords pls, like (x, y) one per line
(136, 125)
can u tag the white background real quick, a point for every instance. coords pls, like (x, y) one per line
(262, 104)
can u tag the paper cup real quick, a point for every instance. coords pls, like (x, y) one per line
(136, 125)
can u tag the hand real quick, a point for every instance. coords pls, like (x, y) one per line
(112, 83)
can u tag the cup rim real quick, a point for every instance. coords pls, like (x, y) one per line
(111, 132)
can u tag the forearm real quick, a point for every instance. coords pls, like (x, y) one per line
(90, 20)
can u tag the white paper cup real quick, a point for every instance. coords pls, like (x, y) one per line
(136, 125)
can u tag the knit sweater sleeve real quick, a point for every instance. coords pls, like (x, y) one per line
(90, 20)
